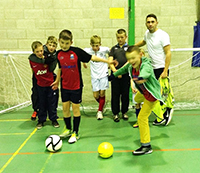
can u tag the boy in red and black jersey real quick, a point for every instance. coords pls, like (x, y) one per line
(51, 60)
(69, 61)
(47, 97)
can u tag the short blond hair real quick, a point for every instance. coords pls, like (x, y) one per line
(52, 39)
(95, 39)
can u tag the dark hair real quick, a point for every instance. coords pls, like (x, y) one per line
(133, 48)
(151, 15)
(35, 45)
(121, 31)
(66, 35)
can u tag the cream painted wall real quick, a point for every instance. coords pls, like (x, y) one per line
(23, 21)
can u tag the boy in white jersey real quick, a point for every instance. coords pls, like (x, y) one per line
(99, 73)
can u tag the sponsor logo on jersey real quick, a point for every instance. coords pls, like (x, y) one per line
(71, 56)
(68, 66)
(40, 72)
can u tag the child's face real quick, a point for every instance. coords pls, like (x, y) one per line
(121, 39)
(39, 51)
(65, 44)
(134, 58)
(51, 47)
(95, 46)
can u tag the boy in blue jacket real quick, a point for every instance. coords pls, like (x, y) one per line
(141, 72)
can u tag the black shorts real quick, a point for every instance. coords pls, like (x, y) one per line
(75, 96)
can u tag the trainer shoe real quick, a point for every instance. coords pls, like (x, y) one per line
(169, 115)
(74, 137)
(34, 115)
(55, 124)
(99, 115)
(116, 118)
(125, 117)
(135, 125)
(156, 123)
(39, 125)
(143, 150)
(66, 133)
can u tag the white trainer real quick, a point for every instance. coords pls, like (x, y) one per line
(74, 137)
(99, 115)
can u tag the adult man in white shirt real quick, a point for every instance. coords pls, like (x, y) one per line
(158, 46)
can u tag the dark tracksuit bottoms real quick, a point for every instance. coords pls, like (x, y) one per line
(48, 100)
(120, 91)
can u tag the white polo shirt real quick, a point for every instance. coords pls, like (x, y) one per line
(98, 69)
(155, 43)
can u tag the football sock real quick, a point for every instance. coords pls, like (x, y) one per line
(101, 103)
(68, 123)
(76, 123)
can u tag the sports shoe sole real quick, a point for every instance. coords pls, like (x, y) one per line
(170, 114)
(137, 154)
(159, 123)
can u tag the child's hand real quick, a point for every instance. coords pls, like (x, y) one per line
(54, 85)
(115, 63)
(110, 61)
(84, 65)
(138, 80)
(120, 76)
(134, 90)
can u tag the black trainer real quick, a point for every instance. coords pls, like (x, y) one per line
(125, 117)
(39, 125)
(116, 118)
(55, 124)
(143, 150)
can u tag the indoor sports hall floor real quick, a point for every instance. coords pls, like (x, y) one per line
(176, 147)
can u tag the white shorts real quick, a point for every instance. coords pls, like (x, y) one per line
(100, 84)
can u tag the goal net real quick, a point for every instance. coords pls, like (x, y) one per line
(185, 79)
(16, 81)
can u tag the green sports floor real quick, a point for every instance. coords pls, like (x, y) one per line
(176, 147)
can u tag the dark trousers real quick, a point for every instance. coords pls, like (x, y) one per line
(158, 72)
(47, 103)
(34, 95)
(120, 91)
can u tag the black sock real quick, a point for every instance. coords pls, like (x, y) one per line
(76, 123)
(68, 123)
